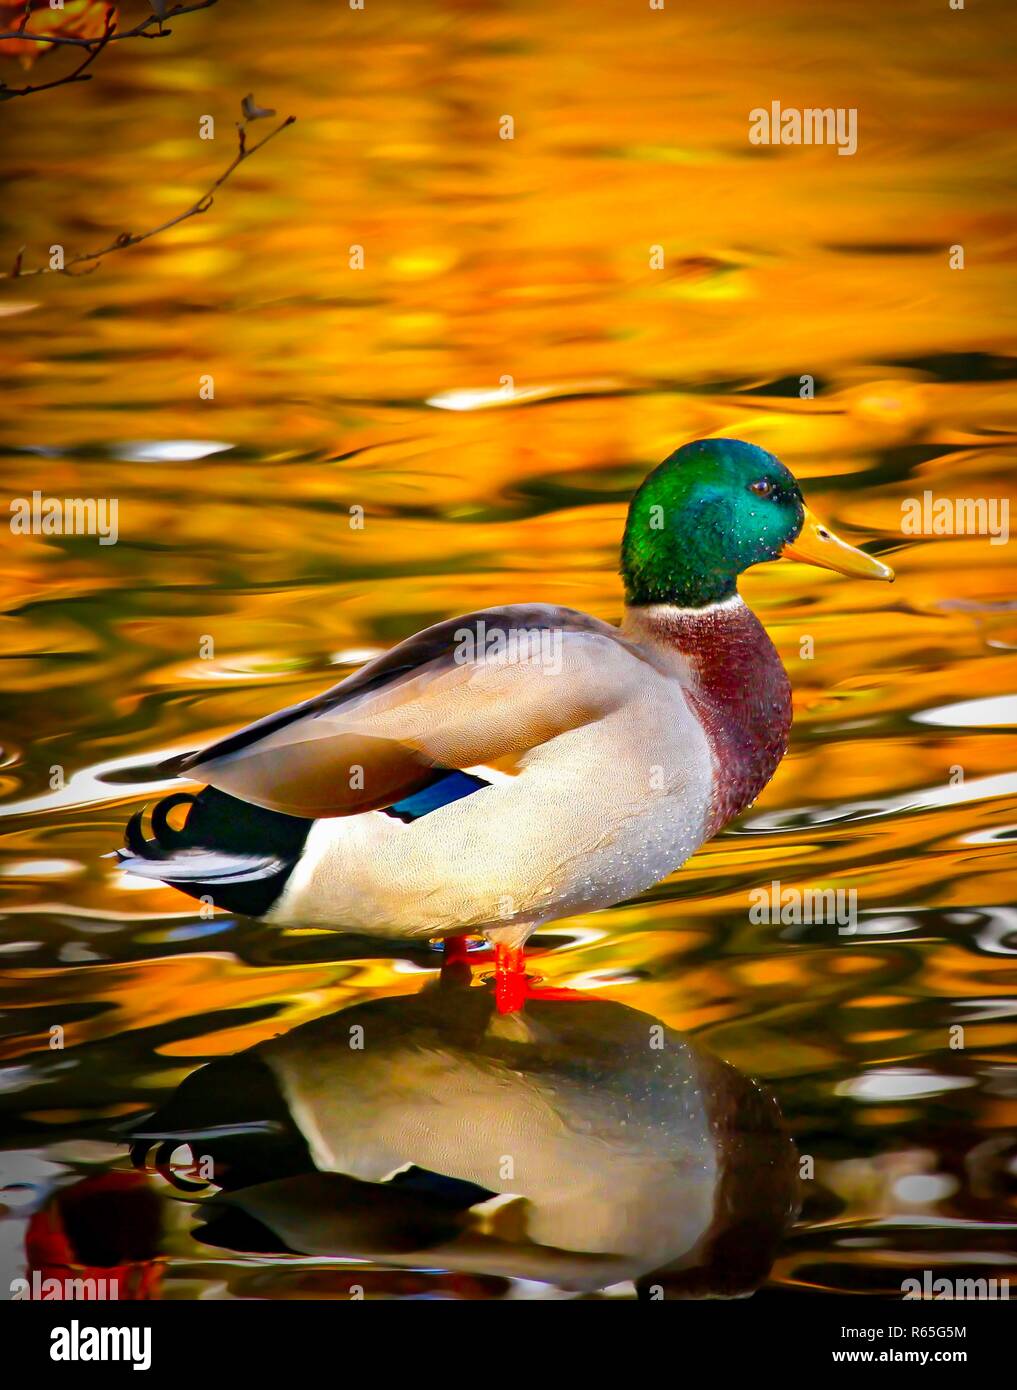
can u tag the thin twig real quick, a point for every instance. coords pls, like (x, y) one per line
(93, 46)
(139, 30)
(125, 239)
(78, 74)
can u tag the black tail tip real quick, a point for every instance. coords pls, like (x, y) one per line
(177, 765)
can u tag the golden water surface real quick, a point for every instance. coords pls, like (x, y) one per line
(489, 387)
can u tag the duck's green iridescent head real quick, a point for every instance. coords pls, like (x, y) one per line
(712, 509)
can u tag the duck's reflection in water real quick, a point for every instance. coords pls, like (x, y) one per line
(580, 1144)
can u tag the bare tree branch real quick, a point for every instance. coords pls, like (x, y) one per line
(139, 31)
(151, 28)
(78, 74)
(125, 239)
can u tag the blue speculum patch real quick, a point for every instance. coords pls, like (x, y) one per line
(448, 787)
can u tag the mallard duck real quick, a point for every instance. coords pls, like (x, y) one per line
(590, 1146)
(516, 765)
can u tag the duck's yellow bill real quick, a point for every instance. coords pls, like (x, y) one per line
(816, 544)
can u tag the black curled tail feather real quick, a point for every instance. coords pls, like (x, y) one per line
(238, 855)
(165, 837)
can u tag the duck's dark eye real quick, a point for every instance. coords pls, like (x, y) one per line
(762, 488)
